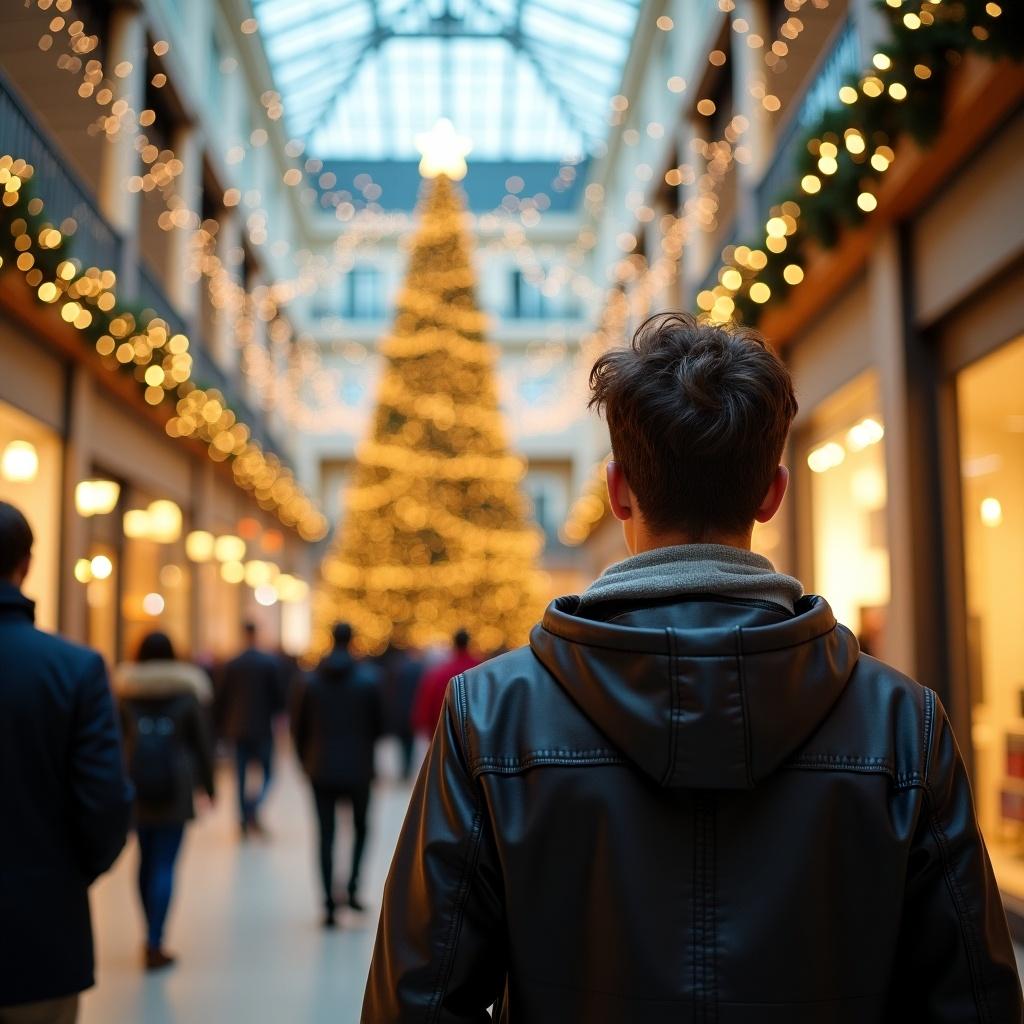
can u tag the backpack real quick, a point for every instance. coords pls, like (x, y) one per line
(155, 757)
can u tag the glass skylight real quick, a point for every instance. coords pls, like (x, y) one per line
(524, 79)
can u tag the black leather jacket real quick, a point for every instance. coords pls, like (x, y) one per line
(698, 810)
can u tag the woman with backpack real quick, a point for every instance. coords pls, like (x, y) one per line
(169, 752)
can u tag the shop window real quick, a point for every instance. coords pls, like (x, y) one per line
(846, 459)
(156, 586)
(364, 294)
(30, 468)
(991, 428)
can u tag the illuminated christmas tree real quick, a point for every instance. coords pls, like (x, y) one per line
(435, 534)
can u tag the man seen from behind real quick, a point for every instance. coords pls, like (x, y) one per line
(692, 797)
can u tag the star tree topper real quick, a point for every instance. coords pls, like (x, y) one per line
(443, 151)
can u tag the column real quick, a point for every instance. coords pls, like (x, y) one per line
(887, 320)
(126, 44)
(749, 83)
(182, 284)
(223, 342)
(78, 454)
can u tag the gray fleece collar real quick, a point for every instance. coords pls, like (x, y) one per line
(694, 569)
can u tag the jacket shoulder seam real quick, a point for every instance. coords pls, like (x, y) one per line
(672, 718)
(741, 678)
(566, 758)
(866, 765)
(929, 727)
(462, 709)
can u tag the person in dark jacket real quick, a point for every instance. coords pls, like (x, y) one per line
(252, 695)
(164, 711)
(692, 797)
(400, 675)
(336, 723)
(65, 802)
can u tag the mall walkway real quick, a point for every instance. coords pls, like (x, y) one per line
(246, 921)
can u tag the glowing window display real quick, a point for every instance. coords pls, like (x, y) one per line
(846, 459)
(991, 420)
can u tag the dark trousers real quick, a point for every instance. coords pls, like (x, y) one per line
(246, 752)
(158, 851)
(326, 799)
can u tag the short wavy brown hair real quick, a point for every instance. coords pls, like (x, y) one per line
(698, 415)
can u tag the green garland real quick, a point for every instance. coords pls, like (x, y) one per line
(921, 60)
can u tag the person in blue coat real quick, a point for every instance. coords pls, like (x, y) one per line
(65, 801)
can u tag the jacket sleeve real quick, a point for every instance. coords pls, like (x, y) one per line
(440, 953)
(101, 795)
(955, 963)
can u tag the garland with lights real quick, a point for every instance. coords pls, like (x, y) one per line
(435, 535)
(847, 152)
(131, 341)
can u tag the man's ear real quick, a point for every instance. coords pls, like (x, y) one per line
(619, 494)
(773, 496)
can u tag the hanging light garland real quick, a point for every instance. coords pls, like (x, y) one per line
(158, 359)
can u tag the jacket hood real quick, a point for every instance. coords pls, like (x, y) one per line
(154, 679)
(701, 706)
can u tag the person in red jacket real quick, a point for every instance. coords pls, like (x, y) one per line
(430, 696)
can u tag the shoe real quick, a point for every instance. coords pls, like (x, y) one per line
(157, 959)
(330, 921)
(354, 903)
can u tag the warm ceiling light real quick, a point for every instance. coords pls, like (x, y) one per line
(229, 548)
(101, 567)
(826, 457)
(96, 497)
(199, 546)
(991, 512)
(135, 524)
(164, 521)
(20, 462)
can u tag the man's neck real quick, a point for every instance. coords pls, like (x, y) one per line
(643, 541)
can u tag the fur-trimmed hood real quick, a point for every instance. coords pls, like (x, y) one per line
(162, 679)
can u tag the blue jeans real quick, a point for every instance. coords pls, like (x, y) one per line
(158, 850)
(247, 751)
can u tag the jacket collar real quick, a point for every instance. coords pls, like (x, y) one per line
(158, 679)
(14, 603)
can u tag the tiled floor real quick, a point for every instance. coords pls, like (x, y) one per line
(245, 922)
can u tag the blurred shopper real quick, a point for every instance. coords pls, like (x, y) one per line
(692, 797)
(336, 722)
(252, 694)
(400, 675)
(164, 708)
(65, 802)
(432, 688)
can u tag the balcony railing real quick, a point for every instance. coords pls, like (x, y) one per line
(842, 61)
(93, 240)
(96, 243)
